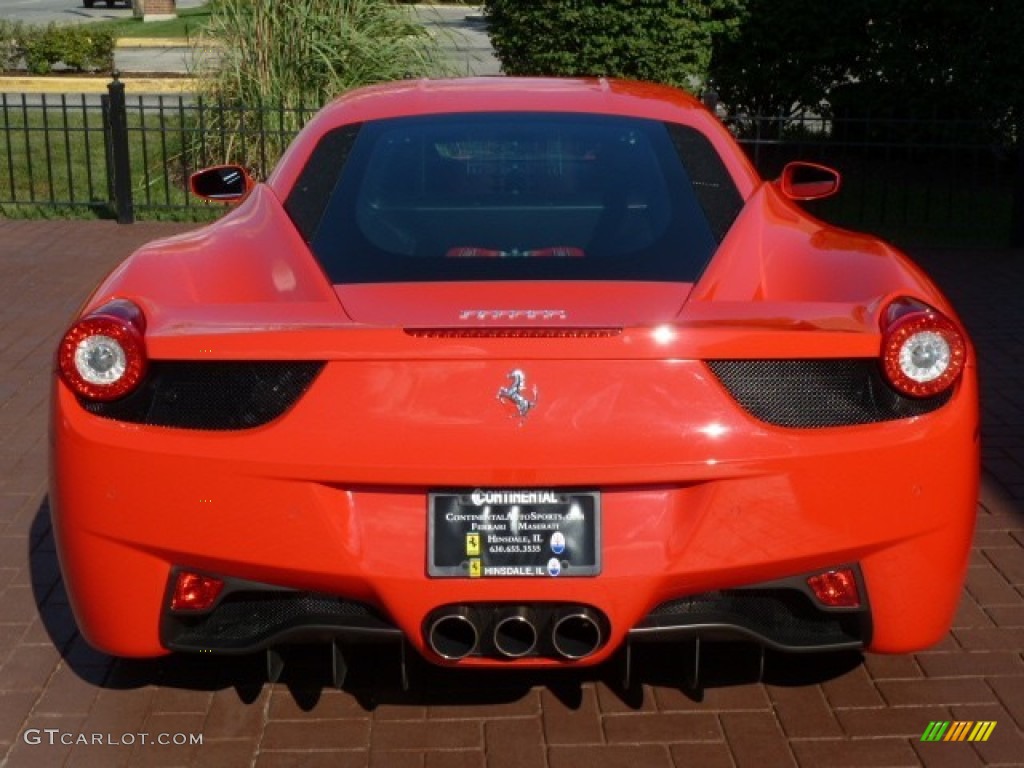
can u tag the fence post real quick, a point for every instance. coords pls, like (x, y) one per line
(115, 124)
(1017, 215)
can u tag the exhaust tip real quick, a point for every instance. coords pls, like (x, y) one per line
(515, 636)
(576, 635)
(452, 636)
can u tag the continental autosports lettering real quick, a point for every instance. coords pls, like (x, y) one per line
(480, 498)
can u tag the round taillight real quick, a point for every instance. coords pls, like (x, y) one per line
(923, 352)
(103, 355)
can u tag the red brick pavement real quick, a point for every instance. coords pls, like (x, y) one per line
(810, 711)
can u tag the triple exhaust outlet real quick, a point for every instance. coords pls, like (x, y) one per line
(567, 632)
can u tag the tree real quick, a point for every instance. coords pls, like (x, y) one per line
(666, 41)
(902, 57)
(787, 54)
(946, 58)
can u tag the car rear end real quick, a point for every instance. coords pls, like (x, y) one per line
(478, 384)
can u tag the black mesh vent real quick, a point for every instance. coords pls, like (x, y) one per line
(786, 617)
(251, 619)
(818, 393)
(212, 395)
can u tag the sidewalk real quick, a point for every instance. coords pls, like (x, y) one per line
(811, 711)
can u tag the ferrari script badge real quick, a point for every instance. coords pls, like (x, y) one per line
(516, 393)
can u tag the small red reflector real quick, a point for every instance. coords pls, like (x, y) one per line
(836, 589)
(195, 592)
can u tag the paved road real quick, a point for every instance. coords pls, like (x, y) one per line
(69, 11)
(810, 712)
(463, 35)
(460, 30)
(178, 60)
(134, 60)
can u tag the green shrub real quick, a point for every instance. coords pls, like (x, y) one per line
(76, 47)
(10, 52)
(37, 49)
(84, 49)
(666, 41)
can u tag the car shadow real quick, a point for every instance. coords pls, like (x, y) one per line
(376, 673)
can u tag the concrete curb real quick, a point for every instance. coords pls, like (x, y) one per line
(140, 85)
(152, 42)
(166, 42)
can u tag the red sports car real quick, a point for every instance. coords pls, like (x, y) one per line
(519, 373)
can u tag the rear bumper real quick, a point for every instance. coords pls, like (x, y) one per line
(782, 615)
(689, 508)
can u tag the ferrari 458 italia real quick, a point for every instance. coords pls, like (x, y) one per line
(516, 372)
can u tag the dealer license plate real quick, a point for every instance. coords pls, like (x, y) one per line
(514, 532)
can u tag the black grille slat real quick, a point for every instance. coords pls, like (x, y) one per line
(248, 620)
(785, 616)
(818, 393)
(212, 395)
(245, 617)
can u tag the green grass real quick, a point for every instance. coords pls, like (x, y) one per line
(188, 25)
(53, 164)
(47, 159)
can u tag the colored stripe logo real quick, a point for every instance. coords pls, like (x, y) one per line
(958, 730)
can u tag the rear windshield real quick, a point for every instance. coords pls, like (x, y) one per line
(510, 196)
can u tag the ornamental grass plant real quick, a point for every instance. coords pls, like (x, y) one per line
(276, 63)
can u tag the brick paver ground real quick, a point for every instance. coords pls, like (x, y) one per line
(810, 711)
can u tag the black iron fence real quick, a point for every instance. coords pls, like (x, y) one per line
(917, 182)
(126, 156)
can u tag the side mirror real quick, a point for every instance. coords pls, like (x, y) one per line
(221, 183)
(808, 181)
